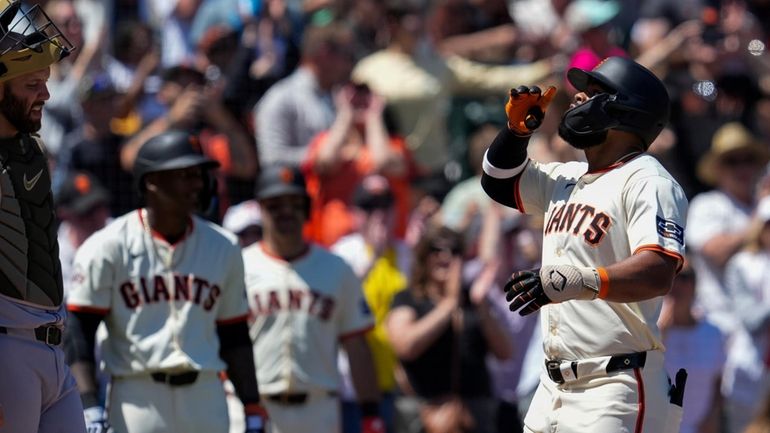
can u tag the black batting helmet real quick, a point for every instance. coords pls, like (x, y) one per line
(639, 101)
(278, 180)
(170, 150)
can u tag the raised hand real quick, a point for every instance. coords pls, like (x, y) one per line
(526, 108)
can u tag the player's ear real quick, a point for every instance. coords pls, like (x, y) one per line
(150, 182)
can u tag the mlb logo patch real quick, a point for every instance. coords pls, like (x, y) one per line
(669, 229)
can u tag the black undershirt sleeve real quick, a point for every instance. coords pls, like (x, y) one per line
(80, 336)
(507, 151)
(235, 349)
(79, 345)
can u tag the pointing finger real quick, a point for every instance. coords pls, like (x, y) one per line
(550, 92)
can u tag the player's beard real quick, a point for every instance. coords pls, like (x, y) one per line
(581, 141)
(16, 112)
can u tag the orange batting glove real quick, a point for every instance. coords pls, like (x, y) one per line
(526, 108)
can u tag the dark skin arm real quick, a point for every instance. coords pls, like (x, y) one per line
(645, 275)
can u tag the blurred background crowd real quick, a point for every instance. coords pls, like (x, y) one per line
(388, 106)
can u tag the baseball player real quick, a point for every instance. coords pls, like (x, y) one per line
(37, 391)
(169, 287)
(613, 242)
(305, 302)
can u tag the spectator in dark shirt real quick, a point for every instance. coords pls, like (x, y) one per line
(436, 324)
(95, 148)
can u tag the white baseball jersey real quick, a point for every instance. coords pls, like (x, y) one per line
(301, 310)
(597, 219)
(162, 302)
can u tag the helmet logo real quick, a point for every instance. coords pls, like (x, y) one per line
(195, 143)
(286, 175)
(82, 184)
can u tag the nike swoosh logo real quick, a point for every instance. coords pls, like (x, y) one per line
(569, 185)
(30, 183)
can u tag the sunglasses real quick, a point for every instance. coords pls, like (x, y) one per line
(739, 160)
(453, 250)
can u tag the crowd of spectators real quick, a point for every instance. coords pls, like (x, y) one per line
(402, 97)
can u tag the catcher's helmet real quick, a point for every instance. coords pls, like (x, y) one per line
(638, 100)
(278, 180)
(170, 150)
(29, 41)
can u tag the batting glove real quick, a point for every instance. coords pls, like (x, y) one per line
(530, 290)
(526, 108)
(96, 420)
(372, 424)
(256, 418)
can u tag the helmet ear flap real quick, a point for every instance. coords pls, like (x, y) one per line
(209, 199)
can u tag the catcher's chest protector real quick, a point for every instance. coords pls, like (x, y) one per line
(29, 252)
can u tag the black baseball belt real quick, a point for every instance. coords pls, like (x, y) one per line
(175, 379)
(294, 398)
(563, 371)
(48, 334)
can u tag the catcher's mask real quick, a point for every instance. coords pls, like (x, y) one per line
(29, 40)
(635, 101)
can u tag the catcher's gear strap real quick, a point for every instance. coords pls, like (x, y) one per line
(503, 162)
(236, 350)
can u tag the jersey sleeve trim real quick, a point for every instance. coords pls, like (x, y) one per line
(659, 249)
(502, 173)
(517, 194)
(356, 333)
(233, 320)
(88, 309)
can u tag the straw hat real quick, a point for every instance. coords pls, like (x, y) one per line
(731, 137)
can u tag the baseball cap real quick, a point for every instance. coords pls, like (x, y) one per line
(96, 86)
(373, 193)
(242, 216)
(279, 179)
(81, 192)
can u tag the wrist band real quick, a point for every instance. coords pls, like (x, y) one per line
(604, 288)
(253, 409)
